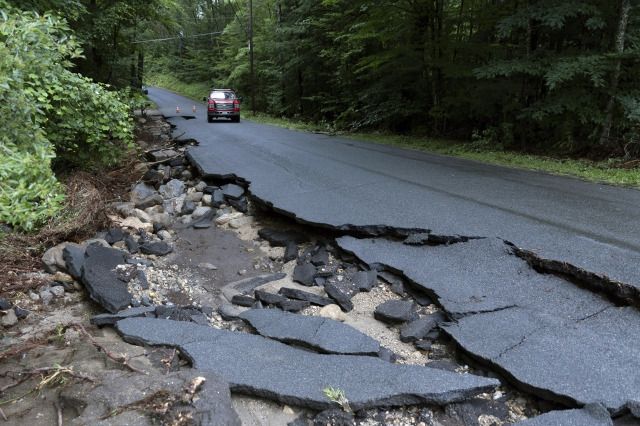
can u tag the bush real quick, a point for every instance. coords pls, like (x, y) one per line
(47, 108)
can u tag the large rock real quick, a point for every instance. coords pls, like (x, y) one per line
(322, 334)
(53, 259)
(267, 368)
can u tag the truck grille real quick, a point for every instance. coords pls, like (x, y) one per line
(224, 106)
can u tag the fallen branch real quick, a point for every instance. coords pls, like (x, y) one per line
(121, 359)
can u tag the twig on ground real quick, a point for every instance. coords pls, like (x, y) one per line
(169, 361)
(4, 416)
(121, 359)
(59, 410)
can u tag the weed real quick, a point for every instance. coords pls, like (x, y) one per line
(337, 396)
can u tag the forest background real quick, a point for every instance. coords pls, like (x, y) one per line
(552, 77)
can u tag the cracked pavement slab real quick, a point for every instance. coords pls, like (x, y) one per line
(259, 366)
(551, 337)
(322, 334)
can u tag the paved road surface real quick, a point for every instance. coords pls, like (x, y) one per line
(348, 184)
(544, 333)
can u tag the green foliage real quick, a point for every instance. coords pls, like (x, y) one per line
(46, 108)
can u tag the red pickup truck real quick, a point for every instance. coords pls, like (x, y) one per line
(223, 103)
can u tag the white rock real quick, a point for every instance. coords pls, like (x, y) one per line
(57, 291)
(135, 223)
(164, 234)
(142, 215)
(9, 319)
(332, 311)
(158, 208)
(240, 222)
(200, 186)
(228, 217)
(173, 189)
(199, 212)
(195, 197)
(207, 199)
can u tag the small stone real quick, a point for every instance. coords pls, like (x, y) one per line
(242, 272)
(287, 410)
(20, 313)
(164, 235)
(332, 311)
(4, 305)
(206, 265)
(9, 319)
(34, 296)
(57, 291)
(46, 296)
(497, 395)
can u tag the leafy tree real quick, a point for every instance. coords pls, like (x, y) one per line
(47, 108)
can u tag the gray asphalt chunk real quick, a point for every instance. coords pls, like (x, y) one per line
(551, 337)
(304, 274)
(110, 319)
(417, 329)
(100, 278)
(267, 368)
(232, 191)
(74, 260)
(396, 311)
(247, 285)
(592, 415)
(322, 334)
(315, 299)
(573, 362)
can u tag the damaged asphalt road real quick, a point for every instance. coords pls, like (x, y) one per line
(543, 332)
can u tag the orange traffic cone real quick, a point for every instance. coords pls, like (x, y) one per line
(194, 108)
(177, 110)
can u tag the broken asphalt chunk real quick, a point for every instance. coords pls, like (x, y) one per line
(304, 274)
(294, 305)
(280, 238)
(322, 334)
(341, 297)
(205, 221)
(269, 298)
(592, 415)
(315, 299)
(100, 278)
(247, 285)
(110, 319)
(419, 328)
(396, 311)
(243, 300)
(159, 248)
(74, 260)
(232, 191)
(258, 366)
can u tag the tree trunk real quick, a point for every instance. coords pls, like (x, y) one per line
(615, 75)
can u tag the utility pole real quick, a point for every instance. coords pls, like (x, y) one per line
(253, 102)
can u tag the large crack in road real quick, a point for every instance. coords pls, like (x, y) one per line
(528, 317)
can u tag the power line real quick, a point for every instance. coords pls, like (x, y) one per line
(175, 38)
